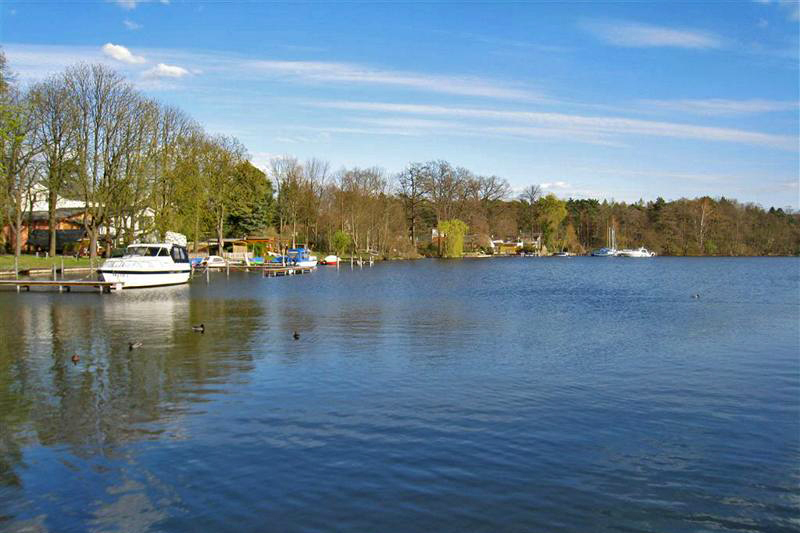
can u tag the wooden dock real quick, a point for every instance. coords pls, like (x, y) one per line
(268, 271)
(271, 272)
(61, 284)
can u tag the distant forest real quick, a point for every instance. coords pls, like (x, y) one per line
(87, 134)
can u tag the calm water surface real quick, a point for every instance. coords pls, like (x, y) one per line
(516, 395)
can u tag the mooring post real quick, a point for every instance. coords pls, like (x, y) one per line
(54, 272)
(62, 266)
(207, 275)
(227, 268)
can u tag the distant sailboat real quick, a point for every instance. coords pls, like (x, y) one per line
(611, 241)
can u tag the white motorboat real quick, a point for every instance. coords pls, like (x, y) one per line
(637, 252)
(149, 265)
(213, 261)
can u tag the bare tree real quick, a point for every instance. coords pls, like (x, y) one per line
(411, 189)
(286, 173)
(56, 135)
(104, 110)
(530, 197)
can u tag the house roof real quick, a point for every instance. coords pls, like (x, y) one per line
(61, 214)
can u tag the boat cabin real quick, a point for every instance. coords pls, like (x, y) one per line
(178, 253)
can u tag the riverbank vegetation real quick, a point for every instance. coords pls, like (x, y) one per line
(32, 262)
(142, 168)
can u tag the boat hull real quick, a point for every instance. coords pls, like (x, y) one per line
(605, 252)
(642, 252)
(130, 279)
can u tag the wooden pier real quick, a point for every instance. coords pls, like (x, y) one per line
(61, 284)
(267, 271)
(271, 272)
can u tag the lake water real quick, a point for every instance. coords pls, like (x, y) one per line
(518, 394)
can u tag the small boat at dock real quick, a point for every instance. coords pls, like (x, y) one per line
(148, 265)
(300, 257)
(605, 252)
(637, 252)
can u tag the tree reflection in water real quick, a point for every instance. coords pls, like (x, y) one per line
(113, 396)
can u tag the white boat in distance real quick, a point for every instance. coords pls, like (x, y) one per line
(638, 252)
(148, 265)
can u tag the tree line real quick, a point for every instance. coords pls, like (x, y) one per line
(88, 134)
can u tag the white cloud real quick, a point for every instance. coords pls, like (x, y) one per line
(120, 53)
(634, 34)
(127, 4)
(555, 185)
(166, 71)
(720, 106)
(597, 127)
(131, 25)
(317, 71)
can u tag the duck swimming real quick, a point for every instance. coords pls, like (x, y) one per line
(75, 359)
(199, 329)
(296, 336)
(134, 345)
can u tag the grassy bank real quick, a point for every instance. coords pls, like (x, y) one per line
(27, 262)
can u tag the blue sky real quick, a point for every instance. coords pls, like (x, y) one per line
(611, 100)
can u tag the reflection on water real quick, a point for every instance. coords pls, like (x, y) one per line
(488, 395)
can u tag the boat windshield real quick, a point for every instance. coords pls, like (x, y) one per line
(146, 251)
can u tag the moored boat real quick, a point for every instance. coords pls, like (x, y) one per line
(330, 260)
(149, 265)
(300, 257)
(636, 252)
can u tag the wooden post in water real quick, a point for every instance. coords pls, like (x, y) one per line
(207, 275)
(227, 268)
(54, 272)
(62, 266)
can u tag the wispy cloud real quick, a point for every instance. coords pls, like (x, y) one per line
(790, 7)
(120, 53)
(127, 4)
(346, 73)
(581, 126)
(166, 71)
(635, 34)
(720, 106)
(131, 25)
